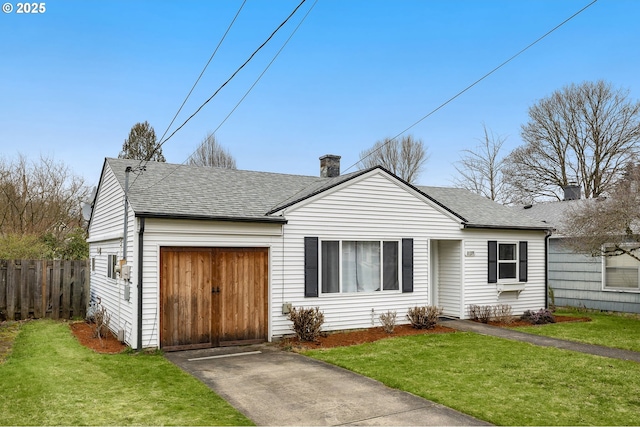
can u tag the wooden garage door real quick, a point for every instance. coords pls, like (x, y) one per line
(214, 296)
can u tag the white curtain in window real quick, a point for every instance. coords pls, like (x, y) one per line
(360, 266)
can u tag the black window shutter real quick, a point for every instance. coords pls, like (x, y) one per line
(407, 265)
(524, 257)
(310, 266)
(493, 261)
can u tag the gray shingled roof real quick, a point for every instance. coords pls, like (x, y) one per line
(171, 190)
(551, 213)
(182, 191)
(478, 211)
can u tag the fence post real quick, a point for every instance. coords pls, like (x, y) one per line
(55, 289)
(12, 276)
(3, 288)
(67, 279)
(24, 289)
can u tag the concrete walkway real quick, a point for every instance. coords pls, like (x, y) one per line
(273, 387)
(484, 329)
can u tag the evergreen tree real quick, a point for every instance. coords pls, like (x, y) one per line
(142, 144)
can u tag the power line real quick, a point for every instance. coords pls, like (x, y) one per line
(204, 69)
(192, 87)
(244, 96)
(264, 71)
(476, 82)
(229, 79)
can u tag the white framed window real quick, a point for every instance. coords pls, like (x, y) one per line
(112, 261)
(622, 272)
(507, 261)
(353, 266)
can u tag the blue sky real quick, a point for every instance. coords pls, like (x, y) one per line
(74, 79)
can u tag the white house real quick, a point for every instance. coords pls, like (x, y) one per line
(186, 256)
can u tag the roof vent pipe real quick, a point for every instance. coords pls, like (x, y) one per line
(329, 166)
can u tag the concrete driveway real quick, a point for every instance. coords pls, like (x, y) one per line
(274, 387)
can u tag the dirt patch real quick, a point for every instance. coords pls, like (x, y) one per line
(8, 333)
(84, 332)
(360, 336)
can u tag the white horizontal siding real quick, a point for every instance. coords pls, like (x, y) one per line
(372, 208)
(449, 275)
(106, 232)
(108, 209)
(111, 292)
(477, 289)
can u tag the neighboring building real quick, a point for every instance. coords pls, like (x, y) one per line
(582, 280)
(210, 256)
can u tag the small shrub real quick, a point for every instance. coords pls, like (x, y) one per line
(388, 321)
(485, 313)
(424, 317)
(474, 311)
(98, 316)
(307, 322)
(503, 313)
(540, 317)
(552, 300)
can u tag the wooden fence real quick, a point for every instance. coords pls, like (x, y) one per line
(43, 288)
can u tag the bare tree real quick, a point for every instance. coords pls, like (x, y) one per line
(404, 158)
(609, 226)
(211, 153)
(40, 199)
(142, 144)
(480, 170)
(583, 133)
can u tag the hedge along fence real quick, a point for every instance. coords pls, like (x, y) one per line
(43, 288)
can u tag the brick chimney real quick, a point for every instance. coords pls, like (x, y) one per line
(329, 166)
(572, 191)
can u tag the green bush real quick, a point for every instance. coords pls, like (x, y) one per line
(72, 246)
(13, 246)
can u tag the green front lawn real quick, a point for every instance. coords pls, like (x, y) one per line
(50, 379)
(501, 381)
(610, 330)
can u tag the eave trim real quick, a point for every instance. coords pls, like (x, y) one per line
(270, 220)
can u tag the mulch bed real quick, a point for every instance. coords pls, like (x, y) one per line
(339, 339)
(559, 319)
(360, 336)
(84, 332)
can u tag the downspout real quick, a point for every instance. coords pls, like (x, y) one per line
(126, 211)
(124, 243)
(546, 269)
(140, 264)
